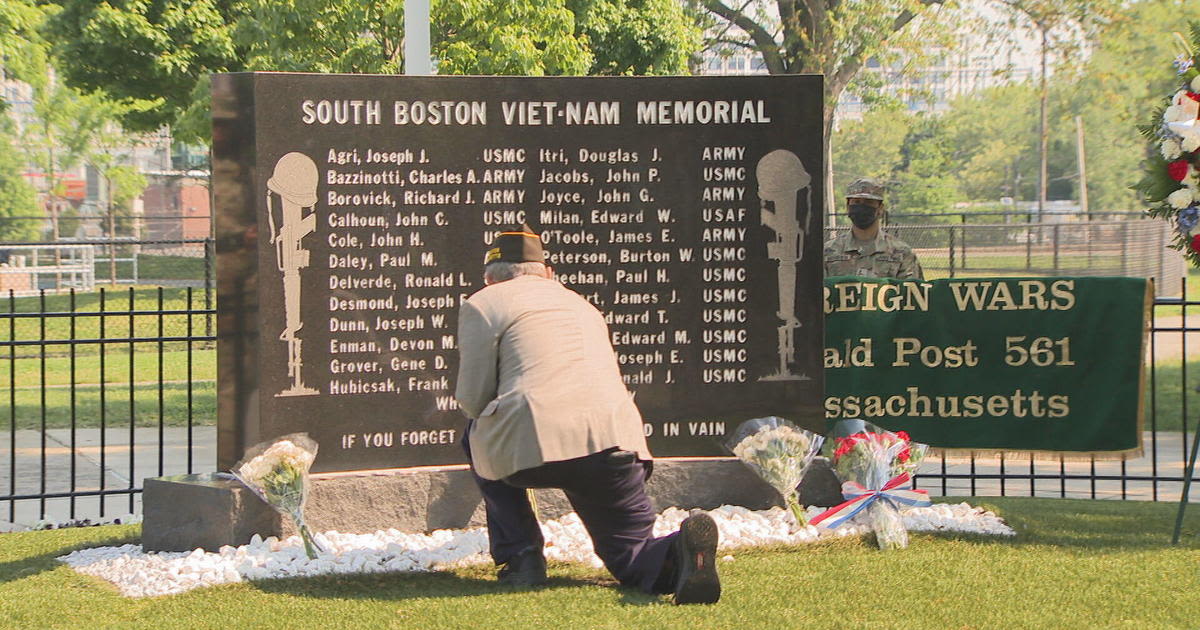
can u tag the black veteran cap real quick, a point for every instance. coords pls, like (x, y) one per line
(516, 246)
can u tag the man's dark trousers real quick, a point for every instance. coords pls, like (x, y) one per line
(607, 491)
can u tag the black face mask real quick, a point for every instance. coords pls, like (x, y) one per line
(862, 215)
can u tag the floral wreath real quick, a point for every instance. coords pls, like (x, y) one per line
(1171, 184)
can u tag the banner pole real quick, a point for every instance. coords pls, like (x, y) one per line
(1187, 484)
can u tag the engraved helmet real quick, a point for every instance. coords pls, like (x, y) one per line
(781, 173)
(295, 179)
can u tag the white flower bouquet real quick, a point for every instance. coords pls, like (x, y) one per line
(780, 452)
(277, 471)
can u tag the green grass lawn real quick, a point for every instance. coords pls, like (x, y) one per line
(155, 267)
(86, 408)
(1074, 564)
(116, 367)
(982, 259)
(27, 398)
(1170, 387)
(119, 325)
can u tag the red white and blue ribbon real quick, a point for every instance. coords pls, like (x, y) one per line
(858, 498)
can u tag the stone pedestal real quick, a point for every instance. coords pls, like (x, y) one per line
(184, 512)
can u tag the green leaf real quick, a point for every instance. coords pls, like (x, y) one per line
(1156, 184)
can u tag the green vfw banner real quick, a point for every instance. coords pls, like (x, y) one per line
(991, 364)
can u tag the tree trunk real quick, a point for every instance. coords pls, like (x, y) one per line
(112, 232)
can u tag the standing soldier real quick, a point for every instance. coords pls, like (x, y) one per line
(866, 250)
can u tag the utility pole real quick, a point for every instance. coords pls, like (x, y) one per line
(1042, 128)
(416, 38)
(1081, 157)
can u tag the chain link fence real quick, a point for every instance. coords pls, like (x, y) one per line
(1135, 247)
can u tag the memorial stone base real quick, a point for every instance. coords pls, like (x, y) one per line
(186, 512)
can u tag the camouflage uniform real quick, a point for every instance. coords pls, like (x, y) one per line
(884, 257)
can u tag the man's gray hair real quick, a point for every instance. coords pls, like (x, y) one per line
(501, 271)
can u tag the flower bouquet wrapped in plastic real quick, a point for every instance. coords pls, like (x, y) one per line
(277, 471)
(780, 453)
(876, 468)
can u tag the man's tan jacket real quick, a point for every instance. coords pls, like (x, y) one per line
(538, 374)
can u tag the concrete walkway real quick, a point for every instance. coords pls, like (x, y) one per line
(1170, 346)
(1163, 457)
(115, 465)
(122, 467)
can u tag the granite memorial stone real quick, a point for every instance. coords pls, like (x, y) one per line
(354, 212)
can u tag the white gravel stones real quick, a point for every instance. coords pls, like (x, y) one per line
(140, 574)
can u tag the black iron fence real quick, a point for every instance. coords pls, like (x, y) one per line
(1132, 247)
(107, 387)
(104, 388)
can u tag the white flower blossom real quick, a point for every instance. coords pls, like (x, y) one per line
(1181, 198)
(1191, 142)
(1188, 109)
(1171, 149)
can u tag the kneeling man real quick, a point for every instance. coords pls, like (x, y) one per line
(539, 378)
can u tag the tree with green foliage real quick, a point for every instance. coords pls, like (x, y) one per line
(993, 132)
(47, 140)
(979, 150)
(927, 181)
(1125, 78)
(108, 155)
(62, 135)
(830, 37)
(154, 50)
(17, 197)
(532, 37)
(65, 127)
(181, 42)
(21, 44)
(636, 37)
(19, 20)
(870, 147)
(1063, 27)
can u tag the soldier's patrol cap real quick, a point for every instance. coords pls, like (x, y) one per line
(865, 188)
(516, 246)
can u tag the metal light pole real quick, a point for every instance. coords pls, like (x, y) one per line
(416, 37)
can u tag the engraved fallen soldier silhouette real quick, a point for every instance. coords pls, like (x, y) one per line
(295, 182)
(539, 378)
(780, 177)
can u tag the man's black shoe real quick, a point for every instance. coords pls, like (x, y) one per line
(527, 568)
(695, 553)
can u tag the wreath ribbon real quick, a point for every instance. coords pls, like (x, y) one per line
(859, 497)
